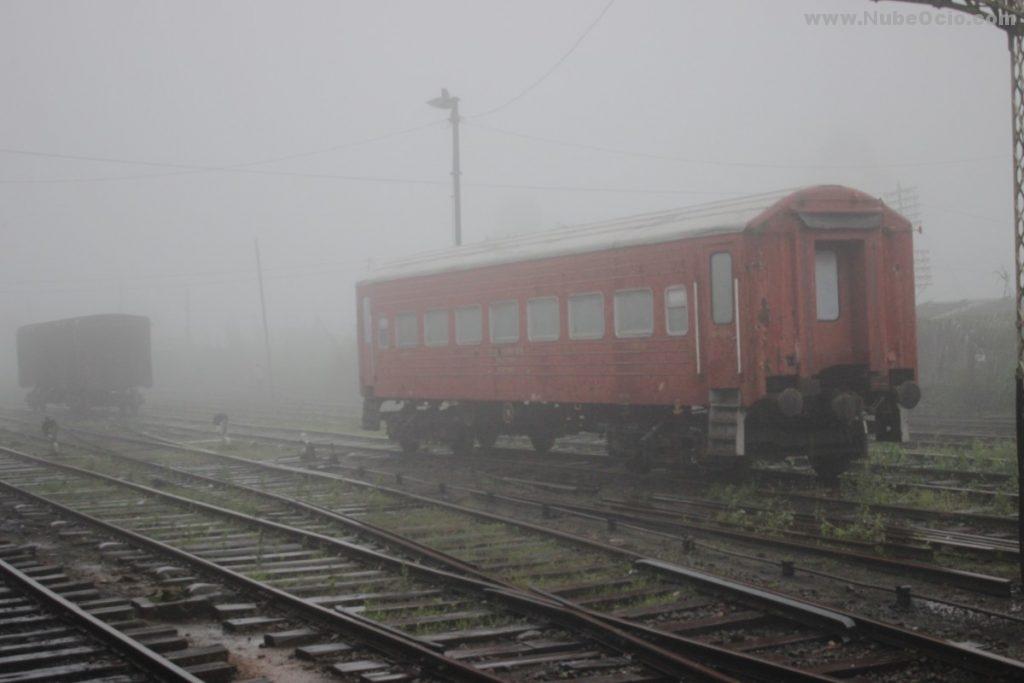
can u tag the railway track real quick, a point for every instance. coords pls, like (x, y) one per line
(333, 590)
(50, 631)
(491, 624)
(670, 612)
(903, 543)
(589, 451)
(178, 540)
(926, 430)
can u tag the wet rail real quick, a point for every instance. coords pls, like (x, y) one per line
(460, 628)
(907, 548)
(668, 605)
(45, 635)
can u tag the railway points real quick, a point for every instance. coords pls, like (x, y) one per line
(481, 463)
(309, 487)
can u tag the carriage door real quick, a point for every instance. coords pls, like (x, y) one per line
(722, 363)
(840, 332)
(721, 320)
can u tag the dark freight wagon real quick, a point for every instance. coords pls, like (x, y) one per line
(96, 360)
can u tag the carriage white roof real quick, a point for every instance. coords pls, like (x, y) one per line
(724, 216)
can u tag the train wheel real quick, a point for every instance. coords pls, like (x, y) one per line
(829, 466)
(542, 442)
(830, 463)
(486, 437)
(409, 446)
(36, 402)
(462, 443)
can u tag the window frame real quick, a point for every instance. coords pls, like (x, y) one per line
(835, 275)
(447, 328)
(480, 326)
(686, 306)
(604, 321)
(530, 336)
(383, 326)
(615, 314)
(490, 321)
(405, 315)
(713, 290)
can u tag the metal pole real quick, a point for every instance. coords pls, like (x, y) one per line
(188, 317)
(456, 176)
(1016, 45)
(266, 328)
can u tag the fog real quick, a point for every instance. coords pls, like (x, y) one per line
(144, 146)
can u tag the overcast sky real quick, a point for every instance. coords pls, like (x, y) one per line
(111, 109)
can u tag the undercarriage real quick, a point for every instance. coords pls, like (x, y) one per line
(829, 430)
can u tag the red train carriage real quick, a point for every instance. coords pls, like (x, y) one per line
(768, 326)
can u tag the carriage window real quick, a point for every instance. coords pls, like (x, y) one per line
(542, 321)
(634, 313)
(826, 284)
(367, 321)
(407, 330)
(677, 313)
(721, 287)
(468, 325)
(383, 333)
(435, 328)
(586, 316)
(503, 321)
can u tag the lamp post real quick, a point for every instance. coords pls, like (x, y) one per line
(446, 101)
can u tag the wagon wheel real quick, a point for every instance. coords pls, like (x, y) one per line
(542, 442)
(486, 436)
(830, 463)
(829, 466)
(35, 401)
(461, 443)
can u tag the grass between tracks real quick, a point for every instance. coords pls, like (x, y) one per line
(886, 485)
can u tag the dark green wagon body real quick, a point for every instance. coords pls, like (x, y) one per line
(96, 360)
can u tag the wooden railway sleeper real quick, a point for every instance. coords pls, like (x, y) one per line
(377, 633)
(738, 661)
(959, 655)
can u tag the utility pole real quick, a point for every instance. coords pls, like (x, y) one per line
(266, 328)
(446, 101)
(188, 317)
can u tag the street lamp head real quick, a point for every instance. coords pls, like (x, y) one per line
(445, 101)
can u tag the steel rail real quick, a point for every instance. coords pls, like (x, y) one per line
(664, 661)
(988, 584)
(991, 585)
(741, 662)
(952, 653)
(370, 443)
(380, 637)
(150, 662)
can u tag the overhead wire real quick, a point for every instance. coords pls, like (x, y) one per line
(719, 162)
(188, 169)
(554, 67)
(194, 168)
